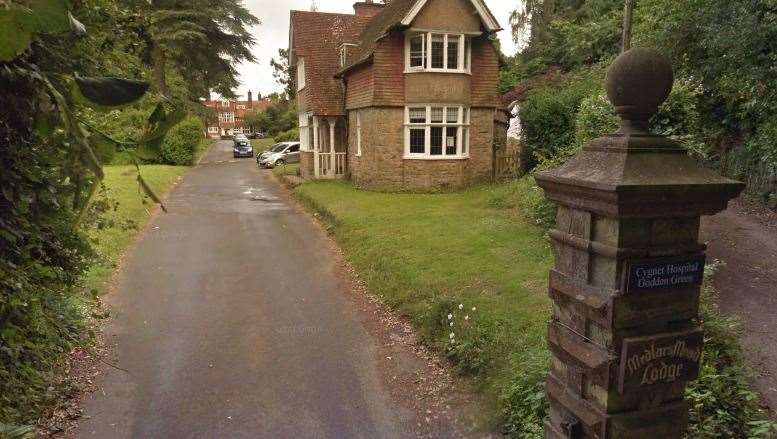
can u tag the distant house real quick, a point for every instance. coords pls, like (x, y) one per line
(228, 119)
(402, 94)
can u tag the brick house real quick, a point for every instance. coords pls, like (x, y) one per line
(229, 113)
(402, 94)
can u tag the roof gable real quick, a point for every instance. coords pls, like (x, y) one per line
(486, 17)
(398, 14)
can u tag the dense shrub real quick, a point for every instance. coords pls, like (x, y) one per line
(182, 143)
(548, 116)
(41, 260)
(287, 136)
(524, 402)
(723, 403)
(756, 162)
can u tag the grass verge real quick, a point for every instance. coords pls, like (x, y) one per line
(470, 270)
(291, 169)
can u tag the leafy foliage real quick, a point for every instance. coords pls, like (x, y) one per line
(182, 143)
(723, 404)
(726, 104)
(548, 116)
(203, 39)
(279, 119)
(43, 255)
(282, 74)
(52, 157)
(110, 92)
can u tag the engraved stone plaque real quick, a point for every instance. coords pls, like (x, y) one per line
(659, 359)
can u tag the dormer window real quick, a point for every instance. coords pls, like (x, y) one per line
(436, 52)
(344, 53)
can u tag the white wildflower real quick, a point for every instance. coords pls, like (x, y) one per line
(451, 323)
(461, 306)
(466, 317)
(474, 309)
(452, 335)
(450, 316)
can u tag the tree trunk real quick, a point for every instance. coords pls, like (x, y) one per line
(158, 59)
(628, 13)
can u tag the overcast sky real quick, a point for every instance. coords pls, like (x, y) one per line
(273, 34)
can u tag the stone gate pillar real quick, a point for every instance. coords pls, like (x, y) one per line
(624, 336)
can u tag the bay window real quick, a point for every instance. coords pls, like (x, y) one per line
(431, 51)
(417, 51)
(436, 132)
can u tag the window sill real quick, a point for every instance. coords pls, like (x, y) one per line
(454, 72)
(448, 157)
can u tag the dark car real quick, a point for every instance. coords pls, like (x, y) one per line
(242, 147)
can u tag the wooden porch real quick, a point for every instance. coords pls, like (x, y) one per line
(329, 137)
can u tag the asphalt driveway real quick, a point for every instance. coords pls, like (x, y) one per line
(232, 323)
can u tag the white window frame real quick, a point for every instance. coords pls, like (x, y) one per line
(344, 53)
(462, 134)
(241, 107)
(358, 133)
(300, 74)
(463, 56)
(227, 117)
(305, 142)
(225, 104)
(213, 130)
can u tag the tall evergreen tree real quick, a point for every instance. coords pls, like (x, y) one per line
(203, 39)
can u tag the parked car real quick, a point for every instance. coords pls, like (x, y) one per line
(242, 147)
(279, 154)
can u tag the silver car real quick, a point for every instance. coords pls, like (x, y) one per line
(279, 154)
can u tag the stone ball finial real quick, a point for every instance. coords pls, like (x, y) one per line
(637, 82)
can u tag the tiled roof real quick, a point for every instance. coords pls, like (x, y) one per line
(387, 19)
(317, 36)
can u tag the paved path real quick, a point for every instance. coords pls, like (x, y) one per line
(232, 323)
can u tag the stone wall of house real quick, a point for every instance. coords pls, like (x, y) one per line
(381, 164)
(306, 164)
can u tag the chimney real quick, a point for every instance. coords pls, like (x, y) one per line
(367, 8)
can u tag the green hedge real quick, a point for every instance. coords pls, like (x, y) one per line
(288, 136)
(182, 143)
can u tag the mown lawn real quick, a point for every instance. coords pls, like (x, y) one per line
(426, 254)
(129, 216)
(431, 255)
